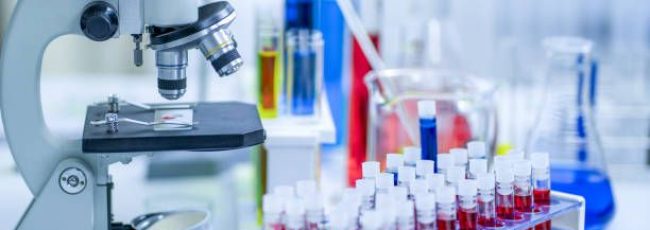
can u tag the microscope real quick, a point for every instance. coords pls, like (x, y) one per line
(69, 178)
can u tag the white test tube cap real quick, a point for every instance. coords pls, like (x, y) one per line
(460, 156)
(412, 154)
(445, 161)
(423, 167)
(370, 169)
(455, 174)
(400, 194)
(478, 166)
(405, 174)
(427, 108)
(435, 181)
(385, 181)
(426, 201)
(271, 204)
(477, 149)
(486, 181)
(522, 168)
(366, 186)
(446, 195)
(313, 201)
(284, 191)
(467, 188)
(418, 187)
(394, 161)
(305, 188)
(502, 162)
(540, 160)
(505, 176)
(295, 207)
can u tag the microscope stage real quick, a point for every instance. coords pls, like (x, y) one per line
(219, 126)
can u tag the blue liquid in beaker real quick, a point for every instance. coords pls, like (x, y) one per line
(593, 185)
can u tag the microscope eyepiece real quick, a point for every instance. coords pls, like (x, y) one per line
(209, 34)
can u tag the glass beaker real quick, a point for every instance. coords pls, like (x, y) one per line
(464, 104)
(564, 127)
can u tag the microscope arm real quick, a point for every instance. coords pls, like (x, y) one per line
(34, 25)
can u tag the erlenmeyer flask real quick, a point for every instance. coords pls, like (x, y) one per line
(565, 127)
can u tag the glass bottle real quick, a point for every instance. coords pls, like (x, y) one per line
(565, 127)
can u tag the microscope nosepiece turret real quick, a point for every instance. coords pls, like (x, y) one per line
(210, 34)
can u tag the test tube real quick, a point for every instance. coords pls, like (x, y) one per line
(467, 205)
(428, 133)
(411, 156)
(477, 150)
(269, 68)
(352, 200)
(435, 182)
(304, 71)
(405, 176)
(460, 157)
(486, 201)
(366, 188)
(370, 169)
(393, 162)
(423, 167)
(385, 204)
(476, 167)
(295, 215)
(425, 209)
(454, 175)
(315, 213)
(505, 191)
(446, 209)
(445, 161)
(541, 184)
(272, 208)
(523, 187)
(384, 183)
(405, 216)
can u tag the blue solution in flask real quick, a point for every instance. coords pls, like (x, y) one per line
(428, 131)
(593, 185)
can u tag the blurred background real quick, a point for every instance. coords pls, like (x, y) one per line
(497, 40)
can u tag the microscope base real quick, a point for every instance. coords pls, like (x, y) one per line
(59, 205)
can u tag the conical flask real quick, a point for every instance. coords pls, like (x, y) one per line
(564, 126)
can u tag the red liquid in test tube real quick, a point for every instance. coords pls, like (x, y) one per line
(541, 185)
(486, 201)
(523, 203)
(504, 194)
(467, 205)
(446, 209)
(523, 186)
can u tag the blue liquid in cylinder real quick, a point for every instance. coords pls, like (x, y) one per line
(429, 140)
(593, 185)
(304, 83)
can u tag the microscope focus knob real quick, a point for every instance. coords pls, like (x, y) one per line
(99, 21)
